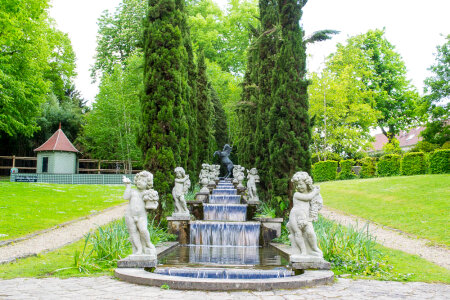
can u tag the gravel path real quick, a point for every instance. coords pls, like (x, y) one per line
(108, 288)
(59, 237)
(393, 239)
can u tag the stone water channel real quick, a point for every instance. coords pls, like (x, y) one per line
(224, 245)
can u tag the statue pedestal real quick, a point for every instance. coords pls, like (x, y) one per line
(300, 262)
(179, 225)
(270, 229)
(202, 196)
(196, 209)
(240, 190)
(138, 261)
(211, 186)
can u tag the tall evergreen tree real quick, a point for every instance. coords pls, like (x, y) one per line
(163, 137)
(220, 120)
(205, 113)
(267, 50)
(289, 124)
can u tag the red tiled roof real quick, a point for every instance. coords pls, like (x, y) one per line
(57, 142)
(405, 138)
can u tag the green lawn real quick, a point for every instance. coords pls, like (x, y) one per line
(29, 207)
(419, 205)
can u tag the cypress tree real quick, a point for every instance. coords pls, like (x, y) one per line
(163, 137)
(267, 51)
(220, 120)
(289, 124)
(205, 113)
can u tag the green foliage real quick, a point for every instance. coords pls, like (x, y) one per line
(437, 130)
(424, 146)
(368, 169)
(371, 59)
(393, 147)
(438, 86)
(440, 161)
(265, 211)
(324, 170)
(119, 35)
(114, 120)
(350, 250)
(220, 120)
(288, 118)
(164, 132)
(342, 111)
(414, 163)
(346, 169)
(389, 165)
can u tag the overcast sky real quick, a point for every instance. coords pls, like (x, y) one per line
(413, 26)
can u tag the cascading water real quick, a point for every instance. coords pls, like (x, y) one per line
(225, 233)
(225, 212)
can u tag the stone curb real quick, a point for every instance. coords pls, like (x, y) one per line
(142, 277)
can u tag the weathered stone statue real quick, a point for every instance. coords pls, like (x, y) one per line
(253, 178)
(211, 175)
(236, 169)
(204, 178)
(216, 172)
(240, 176)
(224, 157)
(307, 203)
(142, 198)
(182, 185)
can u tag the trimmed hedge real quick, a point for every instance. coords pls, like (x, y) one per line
(439, 161)
(389, 165)
(346, 169)
(414, 163)
(368, 169)
(324, 170)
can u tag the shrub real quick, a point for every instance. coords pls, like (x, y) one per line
(414, 163)
(368, 169)
(346, 169)
(324, 170)
(439, 161)
(393, 147)
(424, 146)
(389, 165)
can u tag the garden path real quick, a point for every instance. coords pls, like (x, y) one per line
(109, 288)
(392, 238)
(62, 235)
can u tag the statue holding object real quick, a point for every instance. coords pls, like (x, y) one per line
(253, 178)
(144, 197)
(182, 185)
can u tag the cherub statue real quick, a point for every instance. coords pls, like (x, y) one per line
(253, 178)
(204, 178)
(240, 176)
(216, 171)
(182, 185)
(136, 215)
(236, 169)
(211, 175)
(307, 203)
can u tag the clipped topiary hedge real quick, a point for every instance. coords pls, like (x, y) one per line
(414, 163)
(324, 170)
(368, 169)
(439, 161)
(389, 165)
(346, 169)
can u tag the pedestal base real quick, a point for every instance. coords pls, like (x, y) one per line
(300, 262)
(138, 261)
(202, 196)
(179, 225)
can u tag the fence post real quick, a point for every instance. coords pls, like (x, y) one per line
(98, 169)
(13, 161)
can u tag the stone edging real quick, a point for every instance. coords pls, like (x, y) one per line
(34, 234)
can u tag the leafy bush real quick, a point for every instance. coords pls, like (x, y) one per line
(392, 148)
(346, 169)
(368, 169)
(110, 243)
(324, 170)
(349, 250)
(424, 146)
(414, 163)
(440, 162)
(265, 211)
(389, 165)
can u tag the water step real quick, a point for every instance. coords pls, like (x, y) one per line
(224, 273)
(224, 191)
(225, 212)
(224, 233)
(225, 199)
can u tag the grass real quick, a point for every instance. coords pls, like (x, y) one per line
(355, 252)
(419, 205)
(95, 255)
(29, 207)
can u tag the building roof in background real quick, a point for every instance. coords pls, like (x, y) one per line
(57, 142)
(405, 138)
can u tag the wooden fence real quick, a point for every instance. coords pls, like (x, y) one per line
(85, 165)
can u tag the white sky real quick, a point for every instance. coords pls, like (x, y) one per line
(413, 26)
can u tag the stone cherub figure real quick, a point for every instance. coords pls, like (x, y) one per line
(240, 176)
(144, 197)
(252, 179)
(307, 203)
(182, 185)
(204, 178)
